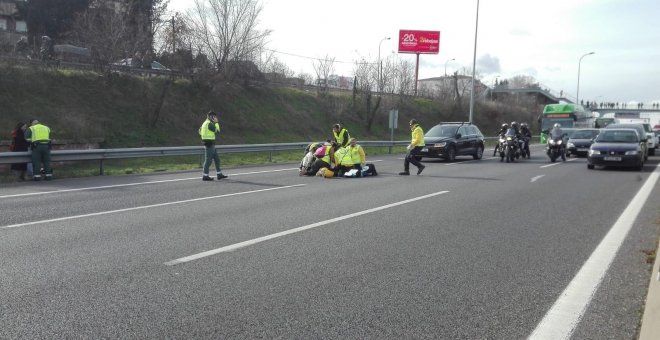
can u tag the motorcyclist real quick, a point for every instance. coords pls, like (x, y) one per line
(557, 132)
(514, 125)
(500, 133)
(526, 137)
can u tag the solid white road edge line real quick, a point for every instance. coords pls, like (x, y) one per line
(146, 207)
(562, 318)
(134, 184)
(248, 243)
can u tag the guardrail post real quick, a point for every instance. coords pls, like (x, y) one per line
(101, 168)
(270, 156)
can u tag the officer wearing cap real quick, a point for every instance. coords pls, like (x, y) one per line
(416, 145)
(39, 137)
(209, 129)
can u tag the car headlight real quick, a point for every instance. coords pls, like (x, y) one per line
(570, 145)
(593, 152)
(440, 145)
(632, 152)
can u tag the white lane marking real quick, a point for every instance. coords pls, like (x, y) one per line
(133, 184)
(562, 318)
(549, 165)
(146, 207)
(248, 243)
(571, 159)
(534, 179)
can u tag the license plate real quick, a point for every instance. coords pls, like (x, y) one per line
(425, 150)
(582, 149)
(615, 159)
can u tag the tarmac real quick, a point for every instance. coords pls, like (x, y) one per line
(651, 320)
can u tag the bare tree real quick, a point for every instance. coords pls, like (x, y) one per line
(104, 30)
(226, 30)
(323, 67)
(404, 81)
(522, 82)
(306, 77)
(366, 78)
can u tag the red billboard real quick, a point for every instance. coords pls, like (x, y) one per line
(412, 41)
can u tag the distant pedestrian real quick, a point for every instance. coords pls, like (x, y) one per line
(19, 144)
(341, 135)
(415, 147)
(209, 129)
(39, 137)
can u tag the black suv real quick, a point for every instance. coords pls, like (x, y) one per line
(450, 139)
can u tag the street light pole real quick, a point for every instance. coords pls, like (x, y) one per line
(474, 62)
(452, 59)
(577, 96)
(379, 65)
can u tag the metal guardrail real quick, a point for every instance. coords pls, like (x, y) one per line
(105, 154)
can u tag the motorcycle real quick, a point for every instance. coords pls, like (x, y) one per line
(524, 147)
(556, 148)
(510, 150)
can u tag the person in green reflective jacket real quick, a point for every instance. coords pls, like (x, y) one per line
(209, 129)
(39, 137)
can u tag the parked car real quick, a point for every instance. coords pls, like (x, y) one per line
(579, 142)
(450, 139)
(616, 147)
(128, 62)
(644, 143)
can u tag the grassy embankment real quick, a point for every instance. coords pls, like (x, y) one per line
(121, 111)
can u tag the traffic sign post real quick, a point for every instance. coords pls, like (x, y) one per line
(393, 124)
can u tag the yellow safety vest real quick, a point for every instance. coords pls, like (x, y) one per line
(326, 158)
(339, 137)
(355, 154)
(40, 133)
(418, 136)
(207, 134)
(342, 157)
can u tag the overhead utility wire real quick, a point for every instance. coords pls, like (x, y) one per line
(319, 59)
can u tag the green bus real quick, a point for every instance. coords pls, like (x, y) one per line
(567, 115)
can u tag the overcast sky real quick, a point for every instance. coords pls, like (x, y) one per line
(542, 39)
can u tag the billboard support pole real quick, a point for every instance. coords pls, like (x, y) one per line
(416, 73)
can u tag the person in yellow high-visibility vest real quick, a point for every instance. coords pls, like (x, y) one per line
(209, 129)
(351, 157)
(341, 135)
(416, 145)
(39, 137)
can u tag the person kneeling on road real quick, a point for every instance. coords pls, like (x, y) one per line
(325, 158)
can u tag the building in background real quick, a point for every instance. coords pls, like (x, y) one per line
(12, 26)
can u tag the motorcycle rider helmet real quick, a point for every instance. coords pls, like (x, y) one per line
(514, 125)
(523, 125)
(505, 126)
(557, 125)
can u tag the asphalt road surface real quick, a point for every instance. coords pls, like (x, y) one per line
(467, 250)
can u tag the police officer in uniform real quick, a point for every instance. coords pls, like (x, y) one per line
(209, 129)
(415, 147)
(39, 137)
(341, 135)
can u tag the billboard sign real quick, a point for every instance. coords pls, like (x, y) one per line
(412, 41)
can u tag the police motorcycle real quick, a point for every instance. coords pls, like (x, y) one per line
(509, 147)
(524, 147)
(556, 146)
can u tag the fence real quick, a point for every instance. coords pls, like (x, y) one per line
(105, 154)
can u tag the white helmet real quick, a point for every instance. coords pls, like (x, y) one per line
(557, 125)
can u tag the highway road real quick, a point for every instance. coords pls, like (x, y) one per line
(467, 250)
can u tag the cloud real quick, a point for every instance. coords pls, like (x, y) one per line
(488, 64)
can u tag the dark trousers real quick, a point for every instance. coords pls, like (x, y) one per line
(316, 166)
(211, 155)
(410, 158)
(41, 158)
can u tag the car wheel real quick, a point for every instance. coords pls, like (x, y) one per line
(451, 154)
(590, 166)
(479, 153)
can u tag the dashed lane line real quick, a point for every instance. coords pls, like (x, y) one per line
(146, 207)
(248, 243)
